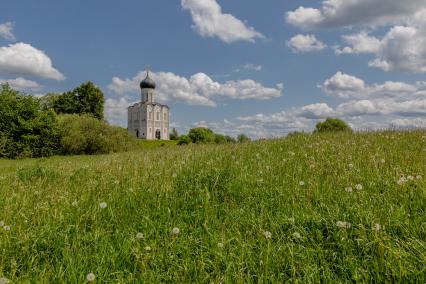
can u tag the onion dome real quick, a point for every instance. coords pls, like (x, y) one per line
(147, 83)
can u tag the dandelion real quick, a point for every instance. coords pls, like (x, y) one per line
(348, 189)
(74, 203)
(139, 235)
(4, 280)
(147, 248)
(358, 186)
(175, 231)
(1, 223)
(377, 227)
(6, 228)
(296, 235)
(291, 220)
(419, 177)
(343, 224)
(220, 245)
(267, 234)
(102, 205)
(302, 183)
(401, 181)
(174, 175)
(91, 277)
(351, 166)
(410, 177)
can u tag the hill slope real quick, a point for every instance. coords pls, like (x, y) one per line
(348, 207)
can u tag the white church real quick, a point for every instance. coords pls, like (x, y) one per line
(148, 119)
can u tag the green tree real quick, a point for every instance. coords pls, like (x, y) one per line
(25, 131)
(242, 138)
(174, 134)
(85, 99)
(184, 140)
(201, 135)
(332, 125)
(219, 139)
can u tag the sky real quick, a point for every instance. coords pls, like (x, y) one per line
(263, 68)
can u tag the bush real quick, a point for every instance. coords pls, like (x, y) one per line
(184, 140)
(174, 134)
(87, 135)
(243, 138)
(332, 125)
(201, 135)
(25, 131)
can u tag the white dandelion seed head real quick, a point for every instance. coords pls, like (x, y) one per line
(377, 227)
(74, 203)
(410, 177)
(419, 177)
(348, 189)
(176, 231)
(139, 235)
(296, 235)
(350, 165)
(343, 224)
(301, 183)
(4, 280)
(1, 223)
(358, 186)
(401, 181)
(103, 205)
(91, 277)
(6, 228)
(174, 175)
(220, 245)
(291, 220)
(267, 234)
(147, 248)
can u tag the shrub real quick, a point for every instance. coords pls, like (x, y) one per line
(174, 134)
(201, 135)
(219, 139)
(25, 131)
(184, 140)
(87, 135)
(243, 138)
(332, 125)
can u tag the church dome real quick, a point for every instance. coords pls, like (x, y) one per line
(147, 83)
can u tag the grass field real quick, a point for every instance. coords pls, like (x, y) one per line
(325, 208)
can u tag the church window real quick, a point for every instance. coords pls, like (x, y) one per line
(158, 115)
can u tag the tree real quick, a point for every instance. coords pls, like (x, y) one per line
(219, 139)
(25, 130)
(242, 138)
(184, 140)
(201, 135)
(85, 99)
(174, 134)
(332, 125)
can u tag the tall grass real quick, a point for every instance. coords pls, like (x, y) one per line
(266, 211)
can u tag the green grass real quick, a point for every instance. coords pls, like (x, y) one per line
(226, 194)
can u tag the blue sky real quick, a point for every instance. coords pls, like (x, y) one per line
(259, 67)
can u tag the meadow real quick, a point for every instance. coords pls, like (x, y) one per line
(329, 208)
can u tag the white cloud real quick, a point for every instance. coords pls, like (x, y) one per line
(6, 31)
(409, 123)
(253, 67)
(199, 89)
(305, 43)
(315, 111)
(21, 84)
(347, 13)
(359, 43)
(116, 110)
(345, 86)
(24, 59)
(210, 21)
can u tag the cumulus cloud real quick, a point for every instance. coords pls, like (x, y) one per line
(199, 89)
(359, 43)
(24, 59)
(21, 84)
(253, 67)
(345, 86)
(116, 110)
(409, 123)
(344, 13)
(6, 31)
(210, 21)
(305, 43)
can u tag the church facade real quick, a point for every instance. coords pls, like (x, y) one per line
(148, 119)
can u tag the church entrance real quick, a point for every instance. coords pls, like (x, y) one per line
(137, 133)
(158, 134)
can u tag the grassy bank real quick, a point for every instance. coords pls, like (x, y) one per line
(336, 208)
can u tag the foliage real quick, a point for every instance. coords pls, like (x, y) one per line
(25, 131)
(243, 212)
(174, 135)
(84, 134)
(201, 135)
(85, 99)
(242, 138)
(332, 125)
(184, 140)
